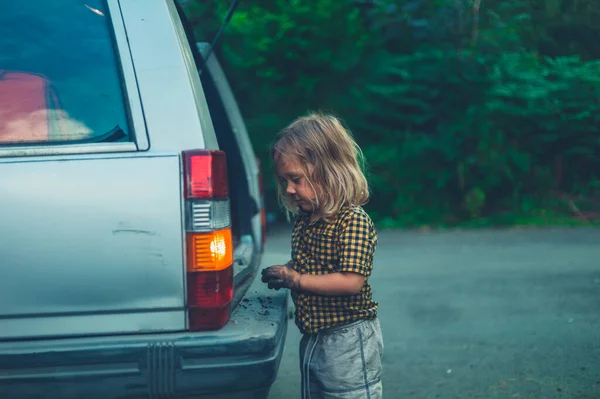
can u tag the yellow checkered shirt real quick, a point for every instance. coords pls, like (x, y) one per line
(347, 244)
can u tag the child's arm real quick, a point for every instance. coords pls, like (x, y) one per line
(343, 283)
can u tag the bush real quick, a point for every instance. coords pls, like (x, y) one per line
(461, 116)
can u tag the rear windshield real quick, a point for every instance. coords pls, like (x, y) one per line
(60, 77)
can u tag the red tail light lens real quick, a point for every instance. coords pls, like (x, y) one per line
(205, 174)
(209, 299)
(209, 319)
(210, 289)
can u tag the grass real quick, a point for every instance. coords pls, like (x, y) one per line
(534, 219)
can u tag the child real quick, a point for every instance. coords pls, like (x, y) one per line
(333, 242)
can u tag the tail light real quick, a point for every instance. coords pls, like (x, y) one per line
(209, 251)
(263, 211)
(206, 175)
(209, 247)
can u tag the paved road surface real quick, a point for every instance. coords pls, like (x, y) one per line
(480, 314)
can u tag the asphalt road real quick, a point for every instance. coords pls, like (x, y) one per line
(479, 314)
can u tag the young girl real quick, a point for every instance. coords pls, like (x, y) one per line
(333, 242)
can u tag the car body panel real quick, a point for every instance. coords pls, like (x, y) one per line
(77, 248)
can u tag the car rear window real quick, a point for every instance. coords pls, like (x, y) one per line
(60, 77)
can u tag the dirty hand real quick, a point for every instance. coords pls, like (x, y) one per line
(281, 277)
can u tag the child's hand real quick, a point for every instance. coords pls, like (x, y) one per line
(281, 277)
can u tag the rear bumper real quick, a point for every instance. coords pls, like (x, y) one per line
(240, 360)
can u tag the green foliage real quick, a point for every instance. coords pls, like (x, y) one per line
(463, 114)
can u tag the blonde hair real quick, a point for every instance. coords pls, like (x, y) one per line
(321, 141)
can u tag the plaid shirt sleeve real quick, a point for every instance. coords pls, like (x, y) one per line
(357, 241)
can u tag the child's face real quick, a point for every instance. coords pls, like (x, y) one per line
(293, 180)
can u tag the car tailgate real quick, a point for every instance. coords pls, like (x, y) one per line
(91, 245)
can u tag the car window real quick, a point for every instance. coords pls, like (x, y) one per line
(59, 74)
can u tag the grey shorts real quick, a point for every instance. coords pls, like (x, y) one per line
(343, 362)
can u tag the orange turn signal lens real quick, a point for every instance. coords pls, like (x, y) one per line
(209, 251)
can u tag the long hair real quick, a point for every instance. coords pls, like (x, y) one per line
(336, 161)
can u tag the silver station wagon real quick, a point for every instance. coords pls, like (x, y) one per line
(132, 222)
